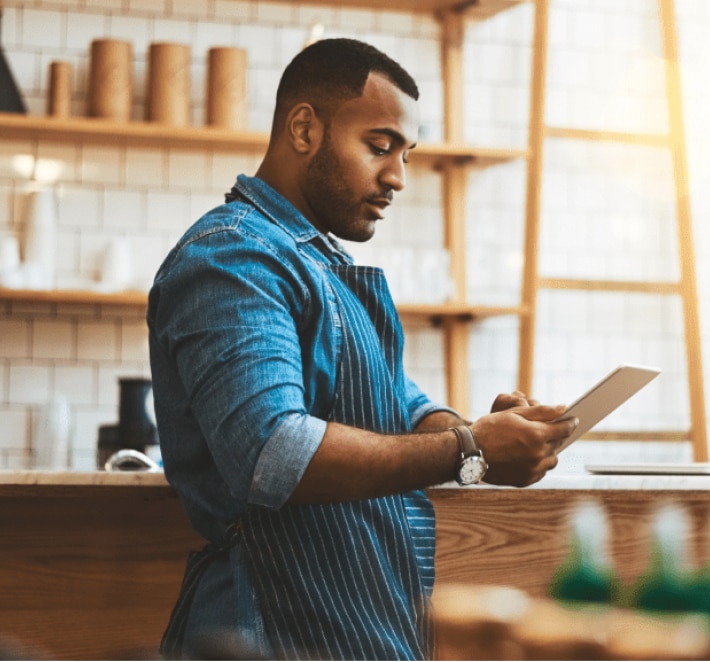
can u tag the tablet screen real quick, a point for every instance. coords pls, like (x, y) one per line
(605, 396)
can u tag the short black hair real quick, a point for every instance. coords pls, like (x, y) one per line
(331, 71)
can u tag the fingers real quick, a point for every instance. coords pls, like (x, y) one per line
(517, 474)
(509, 400)
(545, 413)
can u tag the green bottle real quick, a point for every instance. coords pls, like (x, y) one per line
(586, 575)
(667, 584)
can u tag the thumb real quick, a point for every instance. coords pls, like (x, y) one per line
(541, 412)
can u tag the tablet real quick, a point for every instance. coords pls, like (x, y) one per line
(605, 396)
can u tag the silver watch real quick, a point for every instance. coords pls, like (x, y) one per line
(472, 467)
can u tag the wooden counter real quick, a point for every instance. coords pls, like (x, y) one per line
(90, 564)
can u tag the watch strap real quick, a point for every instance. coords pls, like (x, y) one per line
(467, 441)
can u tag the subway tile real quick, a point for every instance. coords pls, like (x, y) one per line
(83, 28)
(310, 15)
(43, 28)
(150, 7)
(77, 383)
(148, 254)
(146, 167)
(115, 5)
(167, 211)
(290, 42)
(123, 210)
(260, 42)
(134, 342)
(201, 203)
(56, 162)
(102, 165)
(30, 384)
(188, 170)
(25, 71)
(98, 341)
(235, 9)
(53, 339)
(79, 206)
(93, 248)
(273, 12)
(587, 29)
(213, 34)
(397, 22)
(136, 29)
(15, 334)
(10, 31)
(14, 423)
(177, 31)
(193, 10)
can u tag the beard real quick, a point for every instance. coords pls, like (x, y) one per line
(333, 201)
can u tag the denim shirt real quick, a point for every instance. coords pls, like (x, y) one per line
(244, 349)
(245, 344)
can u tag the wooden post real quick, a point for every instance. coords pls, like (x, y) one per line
(698, 429)
(453, 179)
(536, 131)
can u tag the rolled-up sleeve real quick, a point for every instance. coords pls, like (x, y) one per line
(284, 458)
(419, 405)
(229, 319)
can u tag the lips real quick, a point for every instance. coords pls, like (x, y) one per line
(378, 205)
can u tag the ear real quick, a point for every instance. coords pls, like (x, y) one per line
(304, 129)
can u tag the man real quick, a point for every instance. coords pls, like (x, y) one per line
(298, 446)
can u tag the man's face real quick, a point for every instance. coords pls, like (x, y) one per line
(361, 160)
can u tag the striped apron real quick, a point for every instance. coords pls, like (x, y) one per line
(352, 580)
(348, 580)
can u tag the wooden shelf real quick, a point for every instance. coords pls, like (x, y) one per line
(649, 139)
(476, 9)
(87, 297)
(648, 287)
(438, 312)
(433, 312)
(151, 134)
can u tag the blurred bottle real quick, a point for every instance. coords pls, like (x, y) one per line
(667, 583)
(586, 574)
(51, 440)
(40, 241)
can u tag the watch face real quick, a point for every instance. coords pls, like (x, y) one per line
(472, 469)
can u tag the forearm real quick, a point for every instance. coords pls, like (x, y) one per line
(440, 420)
(519, 444)
(353, 464)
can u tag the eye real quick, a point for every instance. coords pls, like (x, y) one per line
(379, 150)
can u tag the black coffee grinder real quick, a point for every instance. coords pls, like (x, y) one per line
(136, 428)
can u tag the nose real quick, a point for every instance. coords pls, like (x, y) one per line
(393, 175)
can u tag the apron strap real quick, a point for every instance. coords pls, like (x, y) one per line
(171, 645)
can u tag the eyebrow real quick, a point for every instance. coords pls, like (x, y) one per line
(395, 135)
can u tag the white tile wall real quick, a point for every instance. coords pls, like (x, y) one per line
(606, 209)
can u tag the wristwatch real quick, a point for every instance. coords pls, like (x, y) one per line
(473, 465)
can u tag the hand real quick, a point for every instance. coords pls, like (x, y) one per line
(520, 443)
(509, 400)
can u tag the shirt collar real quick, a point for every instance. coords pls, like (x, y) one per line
(281, 212)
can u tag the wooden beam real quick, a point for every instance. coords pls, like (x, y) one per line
(456, 352)
(536, 136)
(650, 139)
(647, 287)
(685, 231)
